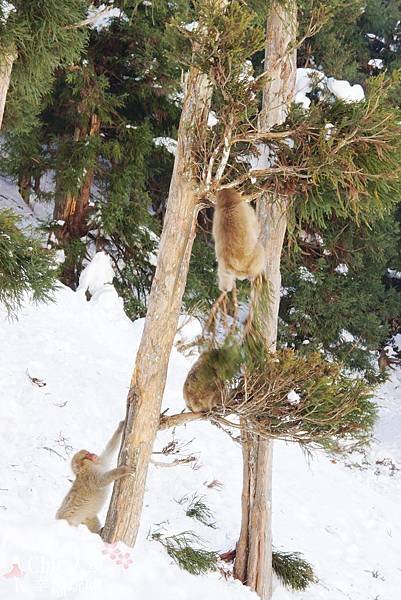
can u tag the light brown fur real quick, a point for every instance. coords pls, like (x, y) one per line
(200, 395)
(88, 493)
(236, 232)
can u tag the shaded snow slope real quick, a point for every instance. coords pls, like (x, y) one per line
(345, 521)
(30, 216)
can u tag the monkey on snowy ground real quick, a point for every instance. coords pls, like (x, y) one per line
(236, 230)
(88, 493)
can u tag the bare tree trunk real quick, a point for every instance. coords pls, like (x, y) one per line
(148, 381)
(253, 564)
(6, 66)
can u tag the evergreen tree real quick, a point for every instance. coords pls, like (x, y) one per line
(25, 267)
(96, 132)
(347, 291)
(335, 298)
(36, 37)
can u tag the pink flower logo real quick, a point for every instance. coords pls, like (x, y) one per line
(15, 571)
(117, 555)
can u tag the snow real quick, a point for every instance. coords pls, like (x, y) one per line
(347, 524)
(344, 91)
(59, 256)
(293, 397)
(85, 358)
(342, 514)
(176, 97)
(191, 26)
(188, 328)
(308, 79)
(311, 238)
(168, 143)
(263, 159)
(329, 130)
(152, 256)
(6, 8)
(376, 63)
(346, 336)
(373, 36)
(306, 275)
(30, 215)
(96, 274)
(246, 74)
(101, 16)
(212, 119)
(394, 274)
(342, 269)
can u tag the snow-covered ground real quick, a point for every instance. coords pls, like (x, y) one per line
(30, 216)
(64, 374)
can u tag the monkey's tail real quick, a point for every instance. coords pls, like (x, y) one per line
(258, 302)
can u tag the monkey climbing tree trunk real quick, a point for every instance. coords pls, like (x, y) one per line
(6, 65)
(149, 377)
(253, 563)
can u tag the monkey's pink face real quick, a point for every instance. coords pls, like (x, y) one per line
(79, 460)
(90, 456)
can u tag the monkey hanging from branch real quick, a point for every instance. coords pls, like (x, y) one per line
(240, 255)
(236, 232)
(88, 493)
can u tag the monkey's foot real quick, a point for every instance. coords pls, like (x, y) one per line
(221, 301)
(235, 303)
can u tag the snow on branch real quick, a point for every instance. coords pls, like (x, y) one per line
(99, 17)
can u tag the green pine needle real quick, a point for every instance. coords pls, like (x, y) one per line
(181, 549)
(292, 570)
(25, 267)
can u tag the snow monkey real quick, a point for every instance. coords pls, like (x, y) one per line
(205, 387)
(236, 232)
(89, 490)
(201, 394)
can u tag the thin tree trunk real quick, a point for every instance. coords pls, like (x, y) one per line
(148, 381)
(25, 186)
(253, 564)
(6, 66)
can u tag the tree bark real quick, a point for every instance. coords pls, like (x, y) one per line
(167, 422)
(253, 564)
(6, 65)
(148, 381)
(73, 208)
(25, 186)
